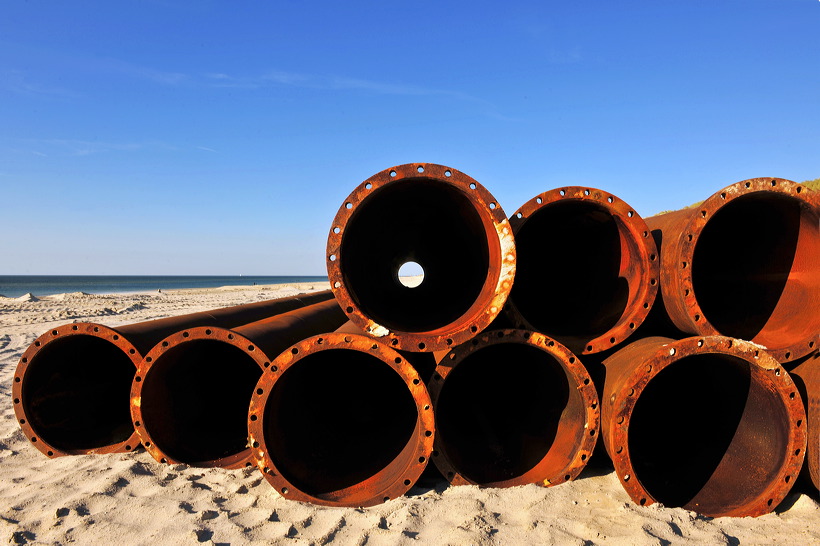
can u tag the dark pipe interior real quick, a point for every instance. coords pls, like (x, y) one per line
(743, 264)
(499, 411)
(337, 418)
(697, 413)
(430, 223)
(195, 400)
(567, 280)
(77, 393)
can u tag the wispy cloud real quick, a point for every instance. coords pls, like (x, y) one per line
(162, 77)
(74, 147)
(66, 147)
(18, 82)
(338, 83)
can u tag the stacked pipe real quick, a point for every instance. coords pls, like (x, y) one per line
(436, 372)
(71, 385)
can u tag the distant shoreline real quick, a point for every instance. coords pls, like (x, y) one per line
(14, 286)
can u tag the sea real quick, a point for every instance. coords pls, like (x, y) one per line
(14, 286)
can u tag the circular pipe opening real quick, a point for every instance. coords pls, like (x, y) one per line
(195, 399)
(75, 393)
(424, 221)
(340, 426)
(509, 411)
(708, 435)
(755, 272)
(569, 282)
(411, 274)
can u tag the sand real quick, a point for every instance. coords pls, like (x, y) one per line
(131, 498)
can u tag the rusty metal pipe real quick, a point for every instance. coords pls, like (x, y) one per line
(341, 420)
(71, 385)
(513, 407)
(587, 272)
(190, 395)
(807, 378)
(712, 424)
(744, 264)
(439, 218)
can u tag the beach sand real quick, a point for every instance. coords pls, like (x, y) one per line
(131, 498)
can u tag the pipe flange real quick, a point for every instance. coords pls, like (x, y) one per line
(644, 364)
(143, 377)
(22, 374)
(388, 482)
(678, 266)
(580, 417)
(638, 265)
(418, 189)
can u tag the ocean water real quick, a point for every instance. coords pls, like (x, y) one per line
(13, 286)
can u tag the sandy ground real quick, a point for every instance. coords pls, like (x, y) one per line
(132, 498)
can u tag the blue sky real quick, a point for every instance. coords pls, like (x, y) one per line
(170, 137)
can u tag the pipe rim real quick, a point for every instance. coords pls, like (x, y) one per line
(622, 403)
(291, 356)
(61, 332)
(239, 460)
(572, 367)
(496, 287)
(677, 285)
(645, 267)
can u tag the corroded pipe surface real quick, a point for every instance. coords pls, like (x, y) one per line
(807, 378)
(442, 220)
(745, 263)
(712, 424)
(341, 420)
(513, 407)
(424, 363)
(587, 270)
(71, 385)
(190, 395)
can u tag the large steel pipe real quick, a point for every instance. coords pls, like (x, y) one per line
(745, 263)
(712, 424)
(190, 395)
(587, 272)
(71, 385)
(440, 219)
(807, 377)
(513, 407)
(341, 420)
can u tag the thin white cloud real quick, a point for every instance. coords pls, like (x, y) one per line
(17, 82)
(151, 74)
(75, 147)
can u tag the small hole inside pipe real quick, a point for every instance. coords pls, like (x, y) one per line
(411, 274)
